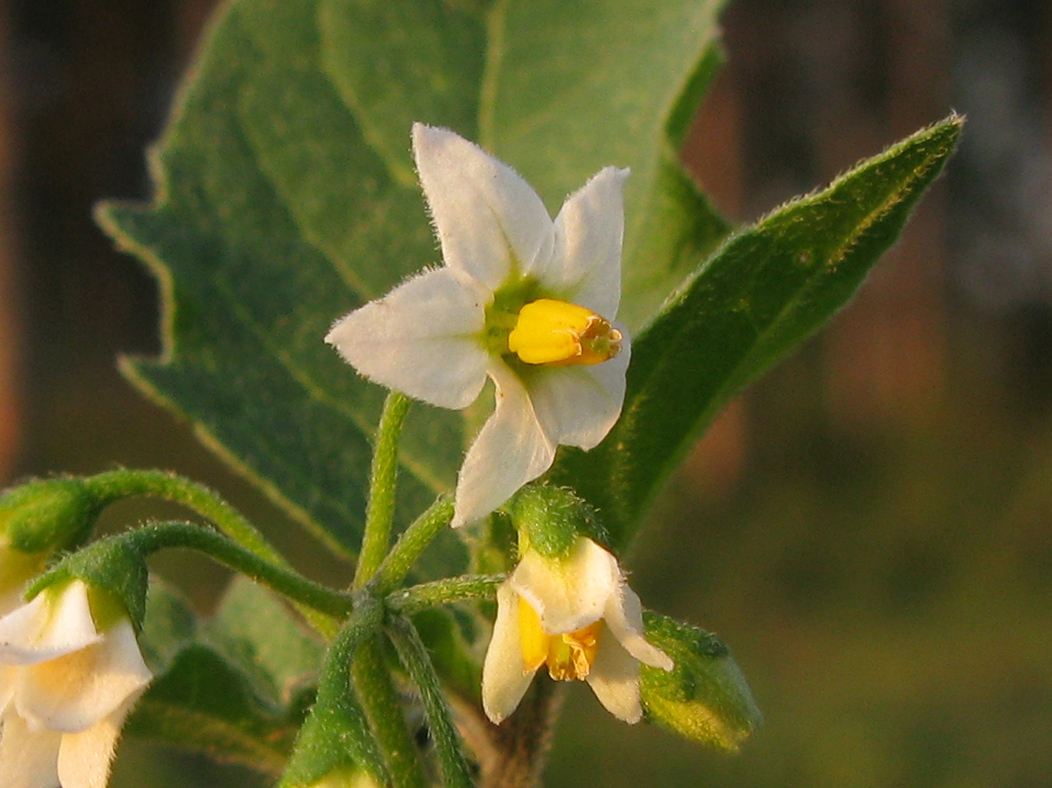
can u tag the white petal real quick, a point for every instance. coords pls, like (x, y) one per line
(74, 692)
(585, 266)
(570, 593)
(486, 216)
(421, 339)
(614, 679)
(84, 758)
(47, 627)
(510, 450)
(27, 758)
(578, 406)
(504, 675)
(624, 617)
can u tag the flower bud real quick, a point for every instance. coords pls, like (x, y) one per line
(47, 514)
(705, 697)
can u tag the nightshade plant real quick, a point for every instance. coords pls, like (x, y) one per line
(287, 197)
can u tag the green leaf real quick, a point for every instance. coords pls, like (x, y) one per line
(238, 686)
(573, 87)
(285, 198)
(762, 293)
(256, 631)
(169, 625)
(202, 702)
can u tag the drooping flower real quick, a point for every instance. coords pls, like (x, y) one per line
(579, 617)
(70, 671)
(521, 299)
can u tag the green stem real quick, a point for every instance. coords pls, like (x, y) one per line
(116, 485)
(158, 536)
(113, 486)
(383, 707)
(411, 544)
(379, 514)
(410, 601)
(456, 773)
(336, 736)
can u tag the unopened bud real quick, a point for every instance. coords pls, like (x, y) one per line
(47, 514)
(705, 697)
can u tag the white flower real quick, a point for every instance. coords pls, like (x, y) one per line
(66, 685)
(577, 615)
(522, 299)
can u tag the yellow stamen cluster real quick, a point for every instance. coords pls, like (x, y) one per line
(569, 656)
(559, 333)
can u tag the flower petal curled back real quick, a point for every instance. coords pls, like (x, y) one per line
(624, 617)
(568, 594)
(27, 758)
(76, 691)
(510, 450)
(505, 678)
(577, 406)
(614, 679)
(45, 628)
(585, 264)
(421, 339)
(486, 216)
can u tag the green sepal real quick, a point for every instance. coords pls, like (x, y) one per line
(704, 697)
(551, 518)
(48, 514)
(116, 574)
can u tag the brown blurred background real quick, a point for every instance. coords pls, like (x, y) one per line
(871, 523)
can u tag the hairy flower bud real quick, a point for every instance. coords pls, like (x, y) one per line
(705, 697)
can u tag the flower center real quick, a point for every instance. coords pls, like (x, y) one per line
(569, 656)
(559, 333)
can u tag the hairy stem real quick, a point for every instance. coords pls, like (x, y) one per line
(456, 773)
(411, 544)
(379, 514)
(383, 707)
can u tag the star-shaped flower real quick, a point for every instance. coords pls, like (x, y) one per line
(521, 299)
(577, 615)
(70, 671)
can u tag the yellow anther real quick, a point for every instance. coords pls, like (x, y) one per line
(569, 656)
(561, 334)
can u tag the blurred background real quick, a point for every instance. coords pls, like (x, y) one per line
(869, 527)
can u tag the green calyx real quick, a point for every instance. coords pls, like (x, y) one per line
(48, 514)
(114, 570)
(705, 697)
(549, 519)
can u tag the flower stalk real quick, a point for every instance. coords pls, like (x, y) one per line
(379, 513)
(158, 536)
(413, 653)
(413, 541)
